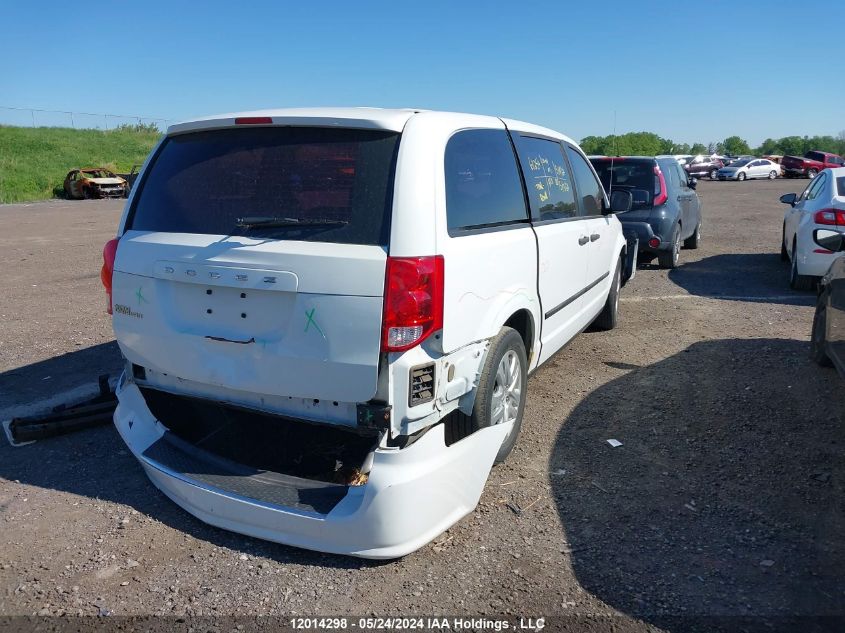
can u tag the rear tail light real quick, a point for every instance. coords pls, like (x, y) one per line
(107, 271)
(834, 217)
(654, 242)
(413, 301)
(660, 194)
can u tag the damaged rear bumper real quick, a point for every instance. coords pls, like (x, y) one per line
(412, 494)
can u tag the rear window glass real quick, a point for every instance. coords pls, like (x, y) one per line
(840, 186)
(325, 185)
(815, 156)
(636, 176)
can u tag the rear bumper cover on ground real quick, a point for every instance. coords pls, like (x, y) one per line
(412, 494)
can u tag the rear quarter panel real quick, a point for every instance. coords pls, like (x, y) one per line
(489, 275)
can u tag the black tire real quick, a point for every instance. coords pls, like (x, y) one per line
(740, 176)
(86, 193)
(669, 259)
(812, 173)
(784, 254)
(459, 426)
(796, 281)
(817, 351)
(645, 257)
(608, 318)
(694, 240)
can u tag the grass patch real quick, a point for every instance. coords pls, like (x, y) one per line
(35, 161)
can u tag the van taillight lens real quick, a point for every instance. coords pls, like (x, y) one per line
(107, 271)
(660, 195)
(835, 217)
(413, 301)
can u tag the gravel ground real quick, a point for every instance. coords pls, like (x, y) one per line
(723, 501)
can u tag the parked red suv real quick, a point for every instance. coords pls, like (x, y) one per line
(703, 166)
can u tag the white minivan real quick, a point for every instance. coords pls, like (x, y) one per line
(329, 315)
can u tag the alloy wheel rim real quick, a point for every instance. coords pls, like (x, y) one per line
(507, 389)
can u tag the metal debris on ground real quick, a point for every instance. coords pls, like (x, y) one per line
(64, 419)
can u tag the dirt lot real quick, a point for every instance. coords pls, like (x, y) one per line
(725, 498)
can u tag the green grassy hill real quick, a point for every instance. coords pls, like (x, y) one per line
(35, 161)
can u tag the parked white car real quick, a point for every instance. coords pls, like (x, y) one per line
(820, 206)
(329, 315)
(748, 168)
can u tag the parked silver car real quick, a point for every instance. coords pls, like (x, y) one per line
(748, 168)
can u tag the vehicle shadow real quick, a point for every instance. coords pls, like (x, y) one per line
(96, 463)
(754, 277)
(724, 499)
(42, 380)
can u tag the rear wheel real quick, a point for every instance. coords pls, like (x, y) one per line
(608, 318)
(812, 173)
(773, 174)
(500, 398)
(797, 281)
(740, 176)
(817, 340)
(694, 240)
(669, 259)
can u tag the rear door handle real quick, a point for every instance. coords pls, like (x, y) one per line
(594, 237)
(583, 240)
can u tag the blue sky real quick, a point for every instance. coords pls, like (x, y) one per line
(686, 70)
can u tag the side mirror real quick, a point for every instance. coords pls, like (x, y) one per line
(621, 201)
(693, 183)
(789, 198)
(830, 240)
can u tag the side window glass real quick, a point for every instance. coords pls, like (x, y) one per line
(816, 187)
(483, 187)
(670, 173)
(682, 176)
(547, 178)
(590, 191)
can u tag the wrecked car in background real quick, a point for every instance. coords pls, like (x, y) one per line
(94, 183)
(329, 315)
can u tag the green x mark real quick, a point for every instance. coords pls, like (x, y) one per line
(141, 298)
(310, 316)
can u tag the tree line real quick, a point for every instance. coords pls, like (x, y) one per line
(650, 144)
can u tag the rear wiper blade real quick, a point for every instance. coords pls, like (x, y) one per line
(270, 221)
